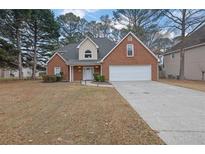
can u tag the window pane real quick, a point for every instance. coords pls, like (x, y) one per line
(88, 51)
(129, 50)
(57, 71)
(88, 54)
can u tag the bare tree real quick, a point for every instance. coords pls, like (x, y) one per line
(141, 22)
(186, 21)
(105, 25)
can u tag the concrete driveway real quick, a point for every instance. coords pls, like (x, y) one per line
(178, 114)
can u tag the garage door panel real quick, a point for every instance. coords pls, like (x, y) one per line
(130, 73)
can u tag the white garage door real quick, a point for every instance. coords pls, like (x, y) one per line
(129, 72)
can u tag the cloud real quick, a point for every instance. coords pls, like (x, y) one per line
(118, 25)
(78, 12)
(167, 34)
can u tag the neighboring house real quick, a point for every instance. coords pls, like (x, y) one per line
(5, 73)
(194, 57)
(129, 60)
(14, 73)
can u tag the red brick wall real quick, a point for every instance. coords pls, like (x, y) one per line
(57, 61)
(119, 57)
(97, 70)
(78, 73)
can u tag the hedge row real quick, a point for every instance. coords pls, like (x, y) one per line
(52, 78)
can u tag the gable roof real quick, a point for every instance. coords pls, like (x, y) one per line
(88, 39)
(130, 33)
(71, 55)
(56, 53)
(196, 39)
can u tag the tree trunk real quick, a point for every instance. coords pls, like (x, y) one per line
(34, 64)
(181, 70)
(35, 53)
(19, 56)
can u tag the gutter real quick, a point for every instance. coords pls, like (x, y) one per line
(187, 48)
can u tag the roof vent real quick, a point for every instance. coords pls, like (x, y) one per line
(129, 38)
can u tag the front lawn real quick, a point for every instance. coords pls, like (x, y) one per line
(32, 112)
(196, 85)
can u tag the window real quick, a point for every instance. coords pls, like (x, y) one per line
(57, 70)
(130, 50)
(88, 54)
(172, 55)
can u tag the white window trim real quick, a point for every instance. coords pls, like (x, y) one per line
(87, 53)
(55, 68)
(132, 50)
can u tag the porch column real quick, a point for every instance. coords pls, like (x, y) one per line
(70, 73)
(100, 69)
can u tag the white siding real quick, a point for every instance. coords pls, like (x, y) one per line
(27, 72)
(171, 65)
(194, 63)
(87, 45)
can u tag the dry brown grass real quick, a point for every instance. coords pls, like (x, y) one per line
(32, 112)
(196, 85)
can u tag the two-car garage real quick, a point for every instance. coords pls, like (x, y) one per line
(130, 72)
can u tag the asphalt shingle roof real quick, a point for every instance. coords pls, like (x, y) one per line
(197, 37)
(70, 52)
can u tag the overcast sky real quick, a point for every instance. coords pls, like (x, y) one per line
(88, 14)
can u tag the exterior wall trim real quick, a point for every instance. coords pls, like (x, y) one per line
(85, 40)
(130, 33)
(187, 48)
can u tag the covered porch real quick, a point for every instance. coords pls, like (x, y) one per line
(83, 72)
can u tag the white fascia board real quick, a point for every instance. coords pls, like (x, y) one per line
(137, 40)
(90, 40)
(58, 55)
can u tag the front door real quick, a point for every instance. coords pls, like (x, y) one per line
(88, 73)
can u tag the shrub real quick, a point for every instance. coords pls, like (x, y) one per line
(96, 77)
(41, 74)
(49, 78)
(102, 78)
(59, 78)
(99, 78)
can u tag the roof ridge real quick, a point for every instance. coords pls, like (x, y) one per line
(188, 39)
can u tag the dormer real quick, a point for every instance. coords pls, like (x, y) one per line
(88, 49)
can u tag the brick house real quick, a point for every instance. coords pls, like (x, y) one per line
(128, 60)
